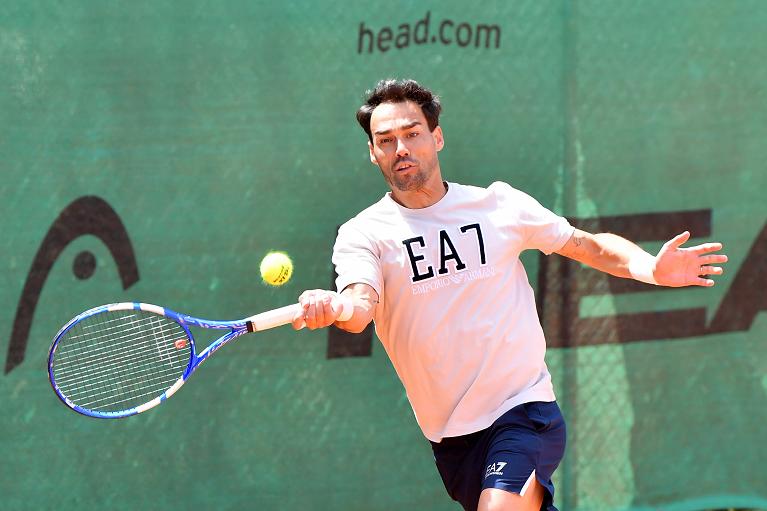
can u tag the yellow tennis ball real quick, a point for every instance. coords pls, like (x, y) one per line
(276, 268)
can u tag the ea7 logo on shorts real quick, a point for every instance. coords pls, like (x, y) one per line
(495, 469)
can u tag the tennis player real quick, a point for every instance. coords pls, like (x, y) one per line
(436, 266)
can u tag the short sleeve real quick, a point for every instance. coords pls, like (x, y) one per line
(356, 260)
(541, 228)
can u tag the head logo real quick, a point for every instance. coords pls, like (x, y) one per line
(86, 215)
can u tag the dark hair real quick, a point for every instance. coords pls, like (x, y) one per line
(398, 91)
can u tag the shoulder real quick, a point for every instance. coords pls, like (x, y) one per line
(496, 189)
(375, 213)
(463, 193)
(510, 197)
(363, 226)
(504, 190)
(498, 194)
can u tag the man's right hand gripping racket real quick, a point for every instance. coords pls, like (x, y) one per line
(121, 359)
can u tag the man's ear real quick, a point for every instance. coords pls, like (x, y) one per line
(438, 138)
(372, 154)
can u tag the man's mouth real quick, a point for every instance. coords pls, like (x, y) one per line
(405, 165)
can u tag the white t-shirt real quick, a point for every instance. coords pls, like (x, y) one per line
(456, 315)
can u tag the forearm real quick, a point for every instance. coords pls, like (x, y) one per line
(365, 300)
(607, 252)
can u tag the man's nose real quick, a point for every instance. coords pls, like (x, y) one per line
(402, 149)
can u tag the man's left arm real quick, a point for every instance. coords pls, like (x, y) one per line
(673, 266)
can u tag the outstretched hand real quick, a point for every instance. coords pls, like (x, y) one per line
(677, 267)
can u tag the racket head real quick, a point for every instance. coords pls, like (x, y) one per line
(120, 359)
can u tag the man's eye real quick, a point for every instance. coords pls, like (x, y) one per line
(384, 141)
(412, 134)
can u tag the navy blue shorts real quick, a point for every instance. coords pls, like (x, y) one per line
(529, 437)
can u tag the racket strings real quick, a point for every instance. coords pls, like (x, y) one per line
(95, 374)
(125, 340)
(118, 360)
(128, 362)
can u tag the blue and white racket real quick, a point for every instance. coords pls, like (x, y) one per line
(121, 359)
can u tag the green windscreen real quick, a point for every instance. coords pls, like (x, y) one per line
(156, 151)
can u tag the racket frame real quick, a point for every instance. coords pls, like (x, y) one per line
(236, 328)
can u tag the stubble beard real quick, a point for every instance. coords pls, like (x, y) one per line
(409, 182)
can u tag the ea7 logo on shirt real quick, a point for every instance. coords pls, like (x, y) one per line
(447, 252)
(495, 469)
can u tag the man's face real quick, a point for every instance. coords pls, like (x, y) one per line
(404, 148)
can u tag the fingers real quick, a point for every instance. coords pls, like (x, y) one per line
(700, 281)
(705, 248)
(677, 240)
(701, 249)
(318, 309)
(710, 270)
(705, 269)
(713, 259)
(298, 321)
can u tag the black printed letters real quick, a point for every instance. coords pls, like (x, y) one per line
(415, 258)
(447, 252)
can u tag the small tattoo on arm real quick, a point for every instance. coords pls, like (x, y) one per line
(579, 249)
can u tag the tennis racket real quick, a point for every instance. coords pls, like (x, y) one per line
(121, 359)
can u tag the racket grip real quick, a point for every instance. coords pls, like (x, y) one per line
(273, 318)
(285, 315)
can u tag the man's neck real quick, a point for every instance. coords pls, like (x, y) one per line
(422, 198)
